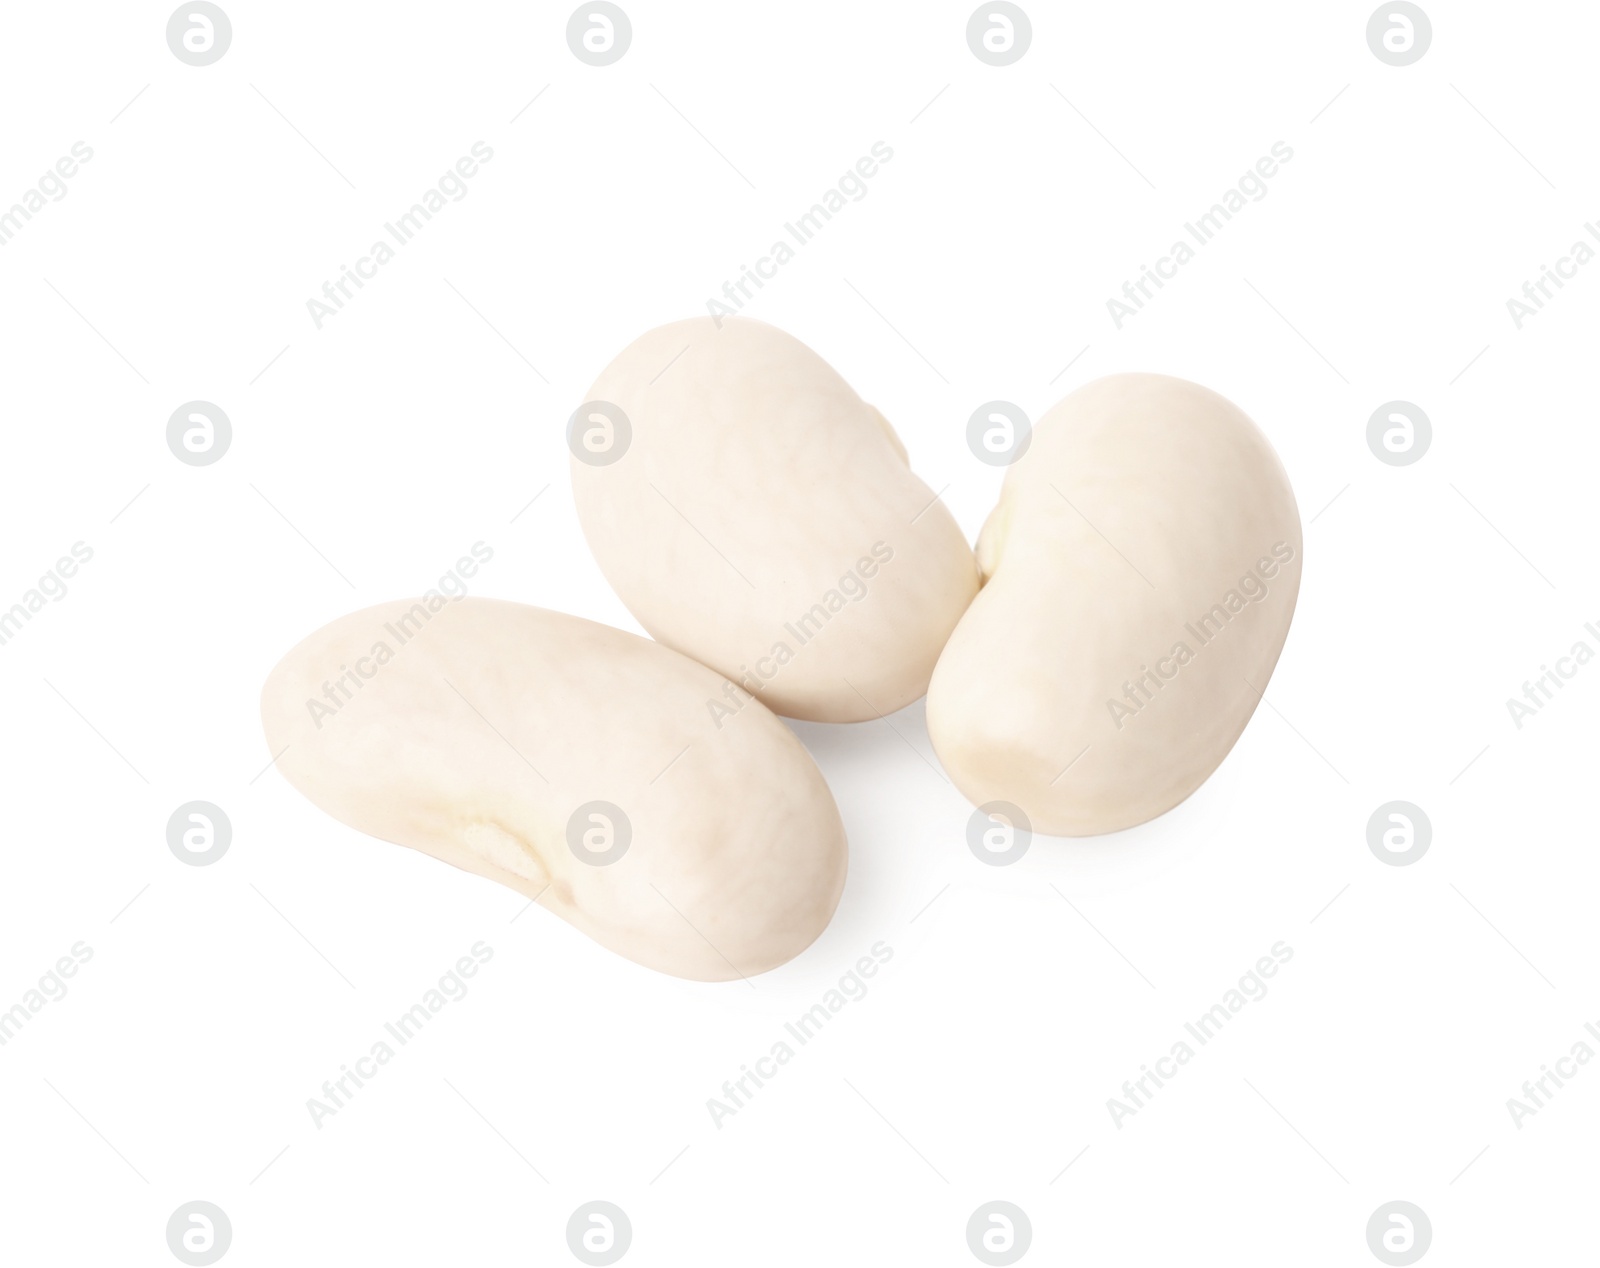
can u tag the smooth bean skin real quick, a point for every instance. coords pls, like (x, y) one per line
(483, 733)
(762, 518)
(1142, 566)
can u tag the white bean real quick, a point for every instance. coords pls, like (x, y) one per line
(576, 764)
(1142, 566)
(755, 513)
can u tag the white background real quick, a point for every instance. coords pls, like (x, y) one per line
(370, 454)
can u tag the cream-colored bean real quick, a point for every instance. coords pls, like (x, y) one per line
(1141, 569)
(755, 513)
(576, 764)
